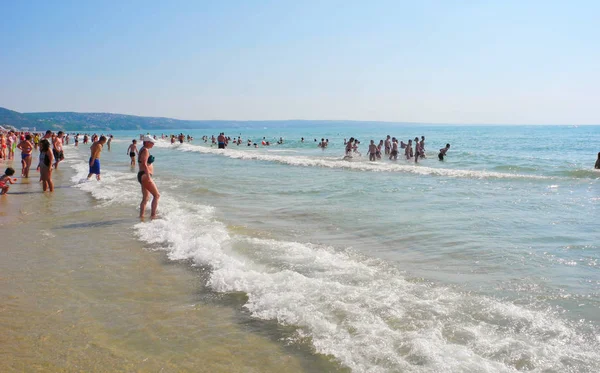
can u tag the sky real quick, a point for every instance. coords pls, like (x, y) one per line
(452, 61)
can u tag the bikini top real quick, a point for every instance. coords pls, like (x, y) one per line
(149, 161)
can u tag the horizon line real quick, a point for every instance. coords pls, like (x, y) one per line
(313, 120)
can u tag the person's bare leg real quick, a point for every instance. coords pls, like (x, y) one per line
(27, 166)
(151, 188)
(155, 198)
(145, 195)
(50, 182)
(44, 178)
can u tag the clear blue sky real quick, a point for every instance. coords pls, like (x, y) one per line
(528, 62)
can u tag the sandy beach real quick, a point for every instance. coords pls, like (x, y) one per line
(80, 293)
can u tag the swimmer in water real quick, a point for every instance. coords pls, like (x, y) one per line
(349, 146)
(443, 151)
(388, 145)
(132, 151)
(394, 151)
(372, 152)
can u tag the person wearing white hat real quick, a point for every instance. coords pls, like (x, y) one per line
(144, 176)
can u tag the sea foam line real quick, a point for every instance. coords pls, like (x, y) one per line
(305, 161)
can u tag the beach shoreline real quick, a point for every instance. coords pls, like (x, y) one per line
(83, 294)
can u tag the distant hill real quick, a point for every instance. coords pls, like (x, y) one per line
(13, 118)
(69, 121)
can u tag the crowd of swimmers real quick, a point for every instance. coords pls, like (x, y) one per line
(392, 148)
(223, 141)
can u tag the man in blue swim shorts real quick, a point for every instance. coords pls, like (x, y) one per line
(96, 149)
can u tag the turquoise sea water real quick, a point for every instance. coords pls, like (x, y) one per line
(488, 261)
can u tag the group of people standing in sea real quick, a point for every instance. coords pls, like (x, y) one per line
(391, 148)
(50, 147)
(223, 141)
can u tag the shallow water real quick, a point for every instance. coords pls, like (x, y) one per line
(488, 261)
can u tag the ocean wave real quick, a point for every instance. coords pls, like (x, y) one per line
(366, 313)
(516, 169)
(355, 164)
(580, 174)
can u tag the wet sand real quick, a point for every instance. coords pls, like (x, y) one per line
(80, 293)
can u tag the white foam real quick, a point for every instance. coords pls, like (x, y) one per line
(339, 162)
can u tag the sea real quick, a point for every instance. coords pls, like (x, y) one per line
(486, 262)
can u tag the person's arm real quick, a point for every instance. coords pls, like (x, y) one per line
(143, 159)
(50, 156)
(20, 146)
(94, 155)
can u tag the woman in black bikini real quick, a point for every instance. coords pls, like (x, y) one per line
(144, 177)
